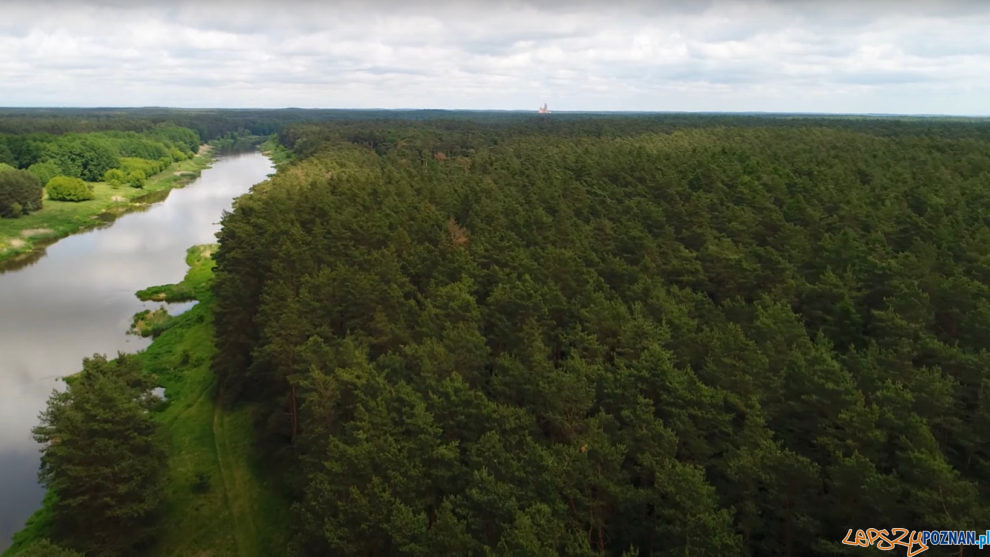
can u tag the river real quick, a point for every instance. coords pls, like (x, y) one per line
(78, 299)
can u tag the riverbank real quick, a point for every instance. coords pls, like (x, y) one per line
(216, 501)
(276, 152)
(23, 239)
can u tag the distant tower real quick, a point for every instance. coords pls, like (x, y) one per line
(544, 109)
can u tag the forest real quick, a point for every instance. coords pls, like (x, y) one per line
(56, 184)
(588, 337)
(30, 161)
(485, 334)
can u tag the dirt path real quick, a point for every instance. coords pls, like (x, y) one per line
(31, 232)
(238, 503)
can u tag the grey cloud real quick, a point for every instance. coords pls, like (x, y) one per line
(724, 55)
(503, 43)
(884, 77)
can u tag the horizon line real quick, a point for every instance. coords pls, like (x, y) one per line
(509, 110)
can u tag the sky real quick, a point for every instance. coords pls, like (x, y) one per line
(835, 56)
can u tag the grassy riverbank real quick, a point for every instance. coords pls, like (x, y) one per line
(279, 155)
(216, 502)
(57, 219)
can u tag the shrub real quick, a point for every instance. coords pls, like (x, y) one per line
(115, 177)
(148, 167)
(20, 192)
(45, 171)
(150, 323)
(177, 154)
(66, 188)
(136, 178)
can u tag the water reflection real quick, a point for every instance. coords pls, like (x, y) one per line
(178, 308)
(78, 299)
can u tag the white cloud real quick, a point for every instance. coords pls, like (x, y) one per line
(798, 55)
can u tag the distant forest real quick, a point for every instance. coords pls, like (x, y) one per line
(466, 333)
(659, 335)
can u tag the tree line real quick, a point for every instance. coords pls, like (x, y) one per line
(65, 163)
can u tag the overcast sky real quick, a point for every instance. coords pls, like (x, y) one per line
(910, 56)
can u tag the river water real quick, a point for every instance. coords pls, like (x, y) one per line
(78, 299)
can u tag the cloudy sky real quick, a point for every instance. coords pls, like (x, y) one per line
(908, 56)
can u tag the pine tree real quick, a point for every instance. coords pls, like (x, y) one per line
(101, 458)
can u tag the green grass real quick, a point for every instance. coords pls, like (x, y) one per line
(279, 155)
(194, 520)
(217, 502)
(260, 514)
(58, 219)
(151, 323)
(166, 293)
(194, 286)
